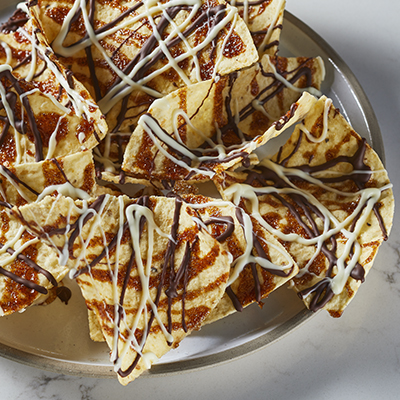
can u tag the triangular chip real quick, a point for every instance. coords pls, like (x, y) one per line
(260, 264)
(327, 197)
(146, 269)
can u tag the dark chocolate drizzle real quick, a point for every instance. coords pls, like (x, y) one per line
(18, 181)
(230, 226)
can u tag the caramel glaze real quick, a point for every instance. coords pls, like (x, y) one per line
(322, 291)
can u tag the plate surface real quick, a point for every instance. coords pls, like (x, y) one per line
(56, 337)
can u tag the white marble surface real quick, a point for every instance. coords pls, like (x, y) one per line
(357, 356)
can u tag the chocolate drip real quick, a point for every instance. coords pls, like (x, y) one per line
(235, 301)
(23, 281)
(64, 294)
(250, 3)
(271, 44)
(322, 294)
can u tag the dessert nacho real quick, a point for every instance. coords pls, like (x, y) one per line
(129, 54)
(175, 97)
